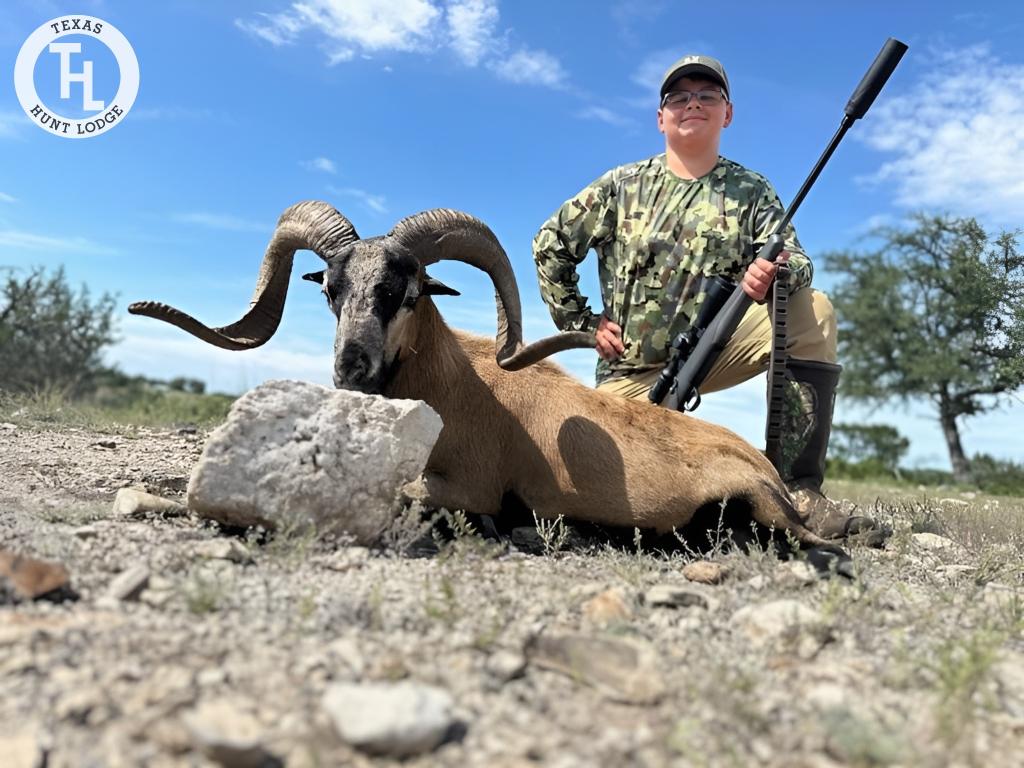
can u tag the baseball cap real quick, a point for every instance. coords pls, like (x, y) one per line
(696, 65)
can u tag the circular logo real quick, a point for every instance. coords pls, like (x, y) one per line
(85, 69)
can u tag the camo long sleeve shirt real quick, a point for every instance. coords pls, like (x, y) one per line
(657, 238)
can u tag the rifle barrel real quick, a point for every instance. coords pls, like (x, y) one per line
(844, 126)
(876, 77)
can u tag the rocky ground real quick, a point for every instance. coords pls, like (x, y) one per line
(179, 643)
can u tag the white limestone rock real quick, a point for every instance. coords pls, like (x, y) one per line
(395, 719)
(132, 502)
(293, 454)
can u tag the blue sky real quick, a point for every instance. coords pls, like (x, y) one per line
(500, 109)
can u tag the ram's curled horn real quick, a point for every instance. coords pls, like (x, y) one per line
(443, 234)
(311, 225)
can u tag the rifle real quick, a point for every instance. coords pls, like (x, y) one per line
(695, 351)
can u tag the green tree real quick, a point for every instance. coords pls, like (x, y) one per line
(879, 444)
(936, 312)
(51, 337)
(185, 384)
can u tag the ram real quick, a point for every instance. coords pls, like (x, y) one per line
(513, 422)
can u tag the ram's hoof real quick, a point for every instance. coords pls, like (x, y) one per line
(828, 560)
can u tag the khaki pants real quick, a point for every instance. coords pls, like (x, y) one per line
(810, 335)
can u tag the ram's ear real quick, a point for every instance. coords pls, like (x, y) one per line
(315, 277)
(432, 287)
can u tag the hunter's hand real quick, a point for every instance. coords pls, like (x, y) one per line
(609, 339)
(759, 275)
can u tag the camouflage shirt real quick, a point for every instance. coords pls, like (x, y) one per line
(657, 238)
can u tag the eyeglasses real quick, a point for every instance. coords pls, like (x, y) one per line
(706, 98)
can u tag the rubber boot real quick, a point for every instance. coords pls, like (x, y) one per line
(807, 424)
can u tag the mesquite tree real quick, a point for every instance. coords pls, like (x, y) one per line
(50, 336)
(936, 312)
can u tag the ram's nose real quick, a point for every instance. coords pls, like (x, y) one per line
(354, 369)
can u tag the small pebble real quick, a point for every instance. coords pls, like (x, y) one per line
(704, 572)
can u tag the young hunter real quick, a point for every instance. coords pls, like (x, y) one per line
(663, 226)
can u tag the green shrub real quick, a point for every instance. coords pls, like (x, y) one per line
(137, 403)
(51, 338)
(868, 469)
(999, 476)
(927, 476)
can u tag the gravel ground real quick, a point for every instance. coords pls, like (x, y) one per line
(231, 649)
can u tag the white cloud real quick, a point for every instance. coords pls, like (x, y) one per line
(319, 164)
(352, 26)
(468, 28)
(472, 25)
(604, 115)
(219, 221)
(340, 56)
(957, 137)
(530, 67)
(368, 25)
(376, 203)
(30, 241)
(5, 198)
(275, 28)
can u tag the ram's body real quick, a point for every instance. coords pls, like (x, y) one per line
(512, 423)
(564, 448)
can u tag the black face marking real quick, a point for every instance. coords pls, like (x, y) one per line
(389, 295)
(396, 288)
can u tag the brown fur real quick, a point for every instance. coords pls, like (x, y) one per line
(564, 448)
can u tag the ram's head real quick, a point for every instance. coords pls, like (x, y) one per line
(372, 286)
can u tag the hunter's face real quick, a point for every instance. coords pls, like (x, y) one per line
(696, 124)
